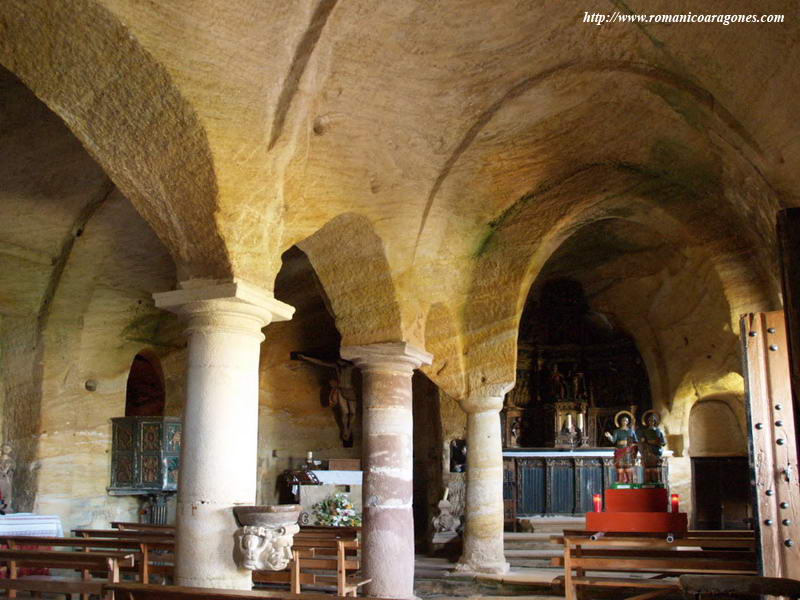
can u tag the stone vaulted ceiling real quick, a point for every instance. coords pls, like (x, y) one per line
(429, 157)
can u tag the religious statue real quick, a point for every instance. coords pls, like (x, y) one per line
(445, 521)
(342, 397)
(651, 445)
(7, 467)
(557, 385)
(625, 443)
(577, 385)
(515, 432)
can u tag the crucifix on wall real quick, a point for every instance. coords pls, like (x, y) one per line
(342, 397)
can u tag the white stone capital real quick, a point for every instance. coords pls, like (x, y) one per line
(233, 305)
(387, 356)
(489, 397)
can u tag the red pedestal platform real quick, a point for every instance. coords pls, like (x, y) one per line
(642, 510)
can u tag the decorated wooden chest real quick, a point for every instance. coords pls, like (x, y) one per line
(145, 455)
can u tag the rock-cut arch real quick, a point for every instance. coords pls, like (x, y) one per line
(715, 429)
(350, 261)
(126, 110)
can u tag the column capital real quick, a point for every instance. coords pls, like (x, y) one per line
(387, 356)
(488, 397)
(237, 297)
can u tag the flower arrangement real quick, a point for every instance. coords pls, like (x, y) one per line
(337, 511)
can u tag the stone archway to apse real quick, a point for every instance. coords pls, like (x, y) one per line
(568, 352)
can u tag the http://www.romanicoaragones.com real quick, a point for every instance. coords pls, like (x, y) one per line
(621, 17)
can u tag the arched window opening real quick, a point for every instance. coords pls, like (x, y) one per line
(144, 396)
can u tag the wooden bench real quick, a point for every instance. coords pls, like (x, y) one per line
(137, 591)
(166, 530)
(311, 567)
(108, 563)
(155, 555)
(121, 534)
(325, 557)
(650, 554)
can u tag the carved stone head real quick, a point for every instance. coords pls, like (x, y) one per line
(264, 548)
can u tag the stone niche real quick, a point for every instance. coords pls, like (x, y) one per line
(714, 430)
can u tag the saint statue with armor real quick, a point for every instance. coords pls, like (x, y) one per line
(625, 444)
(651, 445)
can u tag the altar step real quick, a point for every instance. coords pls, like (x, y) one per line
(436, 578)
(533, 558)
(543, 528)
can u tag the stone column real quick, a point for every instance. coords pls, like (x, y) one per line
(483, 529)
(220, 422)
(387, 430)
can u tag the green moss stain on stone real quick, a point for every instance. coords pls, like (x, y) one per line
(150, 328)
(692, 112)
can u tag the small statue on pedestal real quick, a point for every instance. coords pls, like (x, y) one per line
(651, 445)
(558, 386)
(445, 521)
(625, 442)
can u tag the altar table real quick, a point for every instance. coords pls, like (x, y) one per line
(31, 525)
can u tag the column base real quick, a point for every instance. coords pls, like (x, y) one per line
(481, 566)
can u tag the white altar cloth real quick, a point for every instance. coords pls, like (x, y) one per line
(339, 477)
(31, 524)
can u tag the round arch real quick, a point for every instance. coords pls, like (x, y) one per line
(350, 261)
(144, 392)
(125, 109)
(715, 429)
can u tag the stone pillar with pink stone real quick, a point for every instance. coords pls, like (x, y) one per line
(387, 429)
(220, 422)
(483, 528)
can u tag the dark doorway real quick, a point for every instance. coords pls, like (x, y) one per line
(721, 493)
(427, 458)
(144, 396)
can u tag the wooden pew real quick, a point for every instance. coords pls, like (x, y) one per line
(650, 553)
(322, 557)
(137, 591)
(108, 563)
(311, 568)
(151, 556)
(120, 534)
(167, 530)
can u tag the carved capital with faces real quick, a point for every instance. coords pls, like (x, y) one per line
(264, 548)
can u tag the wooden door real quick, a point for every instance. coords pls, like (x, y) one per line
(773, 455)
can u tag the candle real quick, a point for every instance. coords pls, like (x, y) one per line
(446, 493)
(580, 421)
(569, 421)
(598, 502)
(309, 456)
(675, 502)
